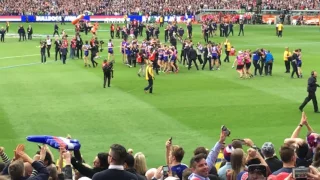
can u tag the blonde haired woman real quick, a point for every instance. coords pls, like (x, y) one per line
(140, 163)
(238, 161)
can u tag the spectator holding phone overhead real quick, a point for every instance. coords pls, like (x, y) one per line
(174, 156)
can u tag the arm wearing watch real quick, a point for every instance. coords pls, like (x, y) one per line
(296, 132)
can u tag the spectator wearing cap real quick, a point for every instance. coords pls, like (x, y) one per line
(222, 172)
(288, 159)
(271, 159)
(100, 163)
(116, 159)
(129, 166)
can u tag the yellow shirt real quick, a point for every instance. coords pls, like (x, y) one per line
(286, 54)
(228, 46)
(280, 27)
(161, 19)
(149, 72)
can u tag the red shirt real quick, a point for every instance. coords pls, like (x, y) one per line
(112, 27)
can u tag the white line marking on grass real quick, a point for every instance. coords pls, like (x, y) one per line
(11, 57)
(21, 65)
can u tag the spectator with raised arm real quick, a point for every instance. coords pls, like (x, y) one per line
(174, 156)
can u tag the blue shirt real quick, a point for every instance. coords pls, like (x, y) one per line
(255, 56)
(222, 172)
(178, 169)
(213, 155)
(269, 57)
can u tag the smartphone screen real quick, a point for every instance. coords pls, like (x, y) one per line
(257, 172)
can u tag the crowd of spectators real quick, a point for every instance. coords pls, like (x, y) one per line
(235, 159)
(151, 7)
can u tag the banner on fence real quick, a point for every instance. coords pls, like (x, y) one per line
(10, 18)
(156, 19)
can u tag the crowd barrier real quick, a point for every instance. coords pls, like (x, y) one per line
(266, 19)
(107, 19)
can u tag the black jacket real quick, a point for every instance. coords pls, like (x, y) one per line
(312, 84)
(192, 54)
(114, 174)
(133, 171)
(83, 170)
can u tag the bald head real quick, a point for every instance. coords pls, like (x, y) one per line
(150, 173)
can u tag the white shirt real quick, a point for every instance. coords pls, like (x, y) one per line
(117, 167)
(48, 41)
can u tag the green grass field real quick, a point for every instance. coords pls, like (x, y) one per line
(191, 106)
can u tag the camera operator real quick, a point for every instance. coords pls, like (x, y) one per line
(43, 47)
(107, 68)
(134, 52)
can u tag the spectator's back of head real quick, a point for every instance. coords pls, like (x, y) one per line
(236, 144)
(129, 162)
(16, 170)
(200, 150)
(103, 159)
(117, 154)
(302, 150)
(186, 173)
(287, 154)
(177, 153)
(140, 163)
(53, 173)
(267, 150)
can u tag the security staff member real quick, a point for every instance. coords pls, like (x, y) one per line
(149, 78)
(107, 68)
(227, 47)
(21, 33)
(206, 34)
(192, 56)
(312, 88)
(280, 28)
(241, 25)
(287, 57)
(2, 33)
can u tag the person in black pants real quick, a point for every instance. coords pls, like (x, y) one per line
(58, 44)
(149, 78)
(64, 52)
(262, 61)
(189, 27)
(294, 64)
(56, 29)
(166, 34)
(192, 56)
(79, 46)
(312, 88)
(107, 68)
(30, 32)
(206, 34)
(206, 57)
(43, 47)
(94, 51)
(241, 25)
(230, 29)
(2, 33)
